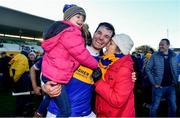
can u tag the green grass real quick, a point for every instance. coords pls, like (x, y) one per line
(7, 104)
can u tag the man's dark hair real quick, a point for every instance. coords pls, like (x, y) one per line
(167, 41)
(108, 26)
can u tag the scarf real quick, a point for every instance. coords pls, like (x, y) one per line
(106, 61)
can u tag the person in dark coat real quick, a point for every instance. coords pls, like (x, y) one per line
(4, 71)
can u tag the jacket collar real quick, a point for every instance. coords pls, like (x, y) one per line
(170, 53)
(69, 23)
(125, 59)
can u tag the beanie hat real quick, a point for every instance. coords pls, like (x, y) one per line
(71, 10)
(32, 53)
(26, 49)
(124, 42)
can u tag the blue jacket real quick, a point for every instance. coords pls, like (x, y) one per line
(178, 60)
(155, 68)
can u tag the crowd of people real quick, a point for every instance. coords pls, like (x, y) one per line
(15, 75)
(83, 76)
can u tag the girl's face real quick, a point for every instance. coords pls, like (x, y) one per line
(111, 48)
(77, 20)
(32, 57)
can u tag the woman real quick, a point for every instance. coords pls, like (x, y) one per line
(115, 96)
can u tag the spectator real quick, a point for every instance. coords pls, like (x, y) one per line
(5, 81)
(162, 73)
(31, 58)
(35, 76)
(19, 73)
(11, 56)
(146, 85)
(178, 90)
(35, 79)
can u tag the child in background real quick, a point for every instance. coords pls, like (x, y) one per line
(65, 50)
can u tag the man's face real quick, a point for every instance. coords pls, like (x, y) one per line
(101, 38)
(163, 46)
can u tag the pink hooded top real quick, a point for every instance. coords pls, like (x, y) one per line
(64, 52)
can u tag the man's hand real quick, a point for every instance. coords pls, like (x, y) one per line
(134, 77)
(157, 86)
(52, 88)
(37, 90)
(97, 74)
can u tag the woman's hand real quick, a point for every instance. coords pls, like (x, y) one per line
(52, 88)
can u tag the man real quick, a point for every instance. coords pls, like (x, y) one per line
(178, 93)
(4, 71)
(80, 88)
(162, 73)
(19, 73)
(35, 72)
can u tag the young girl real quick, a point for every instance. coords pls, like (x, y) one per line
(65, 50)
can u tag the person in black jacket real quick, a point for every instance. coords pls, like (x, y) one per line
(4, 71)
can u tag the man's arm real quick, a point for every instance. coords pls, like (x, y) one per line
(149, 68)
(36, 88)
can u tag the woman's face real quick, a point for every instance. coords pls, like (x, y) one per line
(32, 57)
(111, 48)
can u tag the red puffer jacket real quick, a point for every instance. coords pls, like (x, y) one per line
(115, 96)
